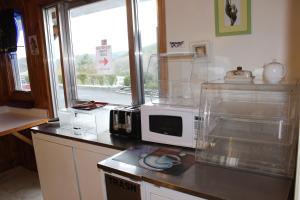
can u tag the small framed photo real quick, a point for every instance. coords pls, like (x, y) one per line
(33, 44)
(232, 17)
(201, 50)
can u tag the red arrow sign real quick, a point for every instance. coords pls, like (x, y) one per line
(104, 61)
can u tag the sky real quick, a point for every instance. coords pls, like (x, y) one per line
(89, 29)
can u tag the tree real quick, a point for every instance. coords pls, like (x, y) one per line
(127, 81)
(85, 64)
(100, 79)
(60, 79)
(111, 79)
(95, 79)
(82, 78)
(26, 77)
(84, 60)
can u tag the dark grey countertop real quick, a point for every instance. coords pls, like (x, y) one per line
(104, 139)
(208, 181)
(202, 180)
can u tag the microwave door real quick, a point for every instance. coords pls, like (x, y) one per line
(166, 125)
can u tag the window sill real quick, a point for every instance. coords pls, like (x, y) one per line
(21, 99)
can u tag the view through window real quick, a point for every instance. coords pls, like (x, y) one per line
(54, 57)
(19, 61)
(100, 48)
(96, 65)
(148, 28)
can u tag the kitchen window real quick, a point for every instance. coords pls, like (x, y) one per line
(104, 48)
(19, 59)
(53, 41)
(99, 38)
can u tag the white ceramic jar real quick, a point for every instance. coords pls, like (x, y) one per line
(274, 72)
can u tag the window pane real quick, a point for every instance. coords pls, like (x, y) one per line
(148, 27)
(100, 48)
(54, 58)
(19, 62)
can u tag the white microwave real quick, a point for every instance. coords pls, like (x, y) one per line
(169, 125)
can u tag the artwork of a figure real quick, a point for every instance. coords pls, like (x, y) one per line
(231, 11)
(34, 49)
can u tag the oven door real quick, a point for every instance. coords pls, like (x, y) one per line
(119, 188)
(163, 125)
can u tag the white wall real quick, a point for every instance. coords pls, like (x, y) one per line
(193, 20)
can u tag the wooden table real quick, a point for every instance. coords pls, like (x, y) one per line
(13, 120)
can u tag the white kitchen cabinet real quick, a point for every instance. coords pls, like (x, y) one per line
(88, 174)
(68, 169)
(154, 196)
(160, 193)
(56, 170)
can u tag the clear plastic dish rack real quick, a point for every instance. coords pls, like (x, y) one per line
(175, 79)
(249, 126)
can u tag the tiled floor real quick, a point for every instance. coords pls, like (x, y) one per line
(20, 184)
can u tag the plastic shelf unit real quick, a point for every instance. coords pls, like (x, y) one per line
(249, 126)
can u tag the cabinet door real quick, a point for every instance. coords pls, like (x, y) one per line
(153, 196)
(90, 181)
(56, 171)
(161, 193)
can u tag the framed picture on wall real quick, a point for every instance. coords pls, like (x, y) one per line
(232, 17)
(201, 50)
(33, 44)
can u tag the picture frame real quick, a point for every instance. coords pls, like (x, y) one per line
(232, 17)
(201, 50)
(33, 44)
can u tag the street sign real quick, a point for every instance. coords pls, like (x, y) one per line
(104, 59)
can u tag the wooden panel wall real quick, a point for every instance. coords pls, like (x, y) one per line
(8, 153)
(294, 40)
(3, 79)
(37, 64)
(12, 151)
